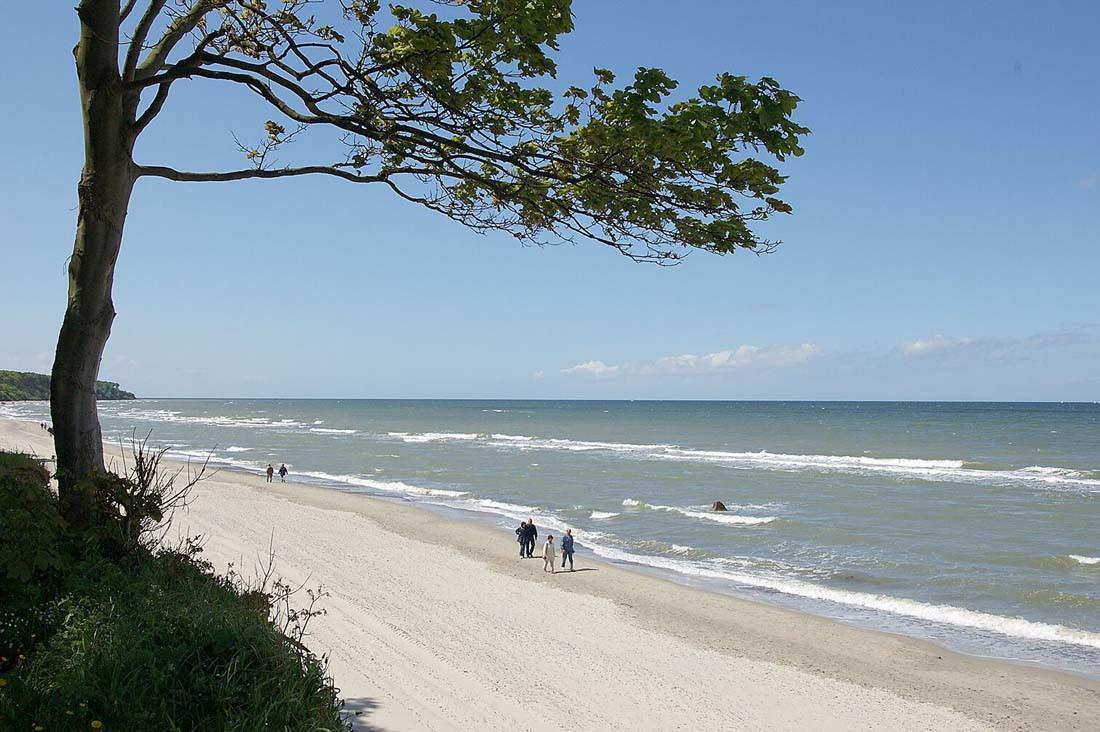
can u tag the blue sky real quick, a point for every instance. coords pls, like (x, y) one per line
(944, 243)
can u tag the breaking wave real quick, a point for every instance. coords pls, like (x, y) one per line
(721, 517)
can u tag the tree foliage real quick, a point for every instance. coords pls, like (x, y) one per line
(442, 103)
(28, 386)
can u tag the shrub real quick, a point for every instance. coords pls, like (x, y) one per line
(167, 644)
(30, 556)
(30, 526)
(96, 627)
(121, 513)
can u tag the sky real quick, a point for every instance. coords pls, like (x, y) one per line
(943, 245)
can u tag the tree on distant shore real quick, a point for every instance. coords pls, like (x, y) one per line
(441, 107)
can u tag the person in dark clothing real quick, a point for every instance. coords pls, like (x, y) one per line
(532, 537)
(567, 549)
(282, 472)
(521, 538)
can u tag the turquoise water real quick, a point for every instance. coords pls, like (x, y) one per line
(974, 525)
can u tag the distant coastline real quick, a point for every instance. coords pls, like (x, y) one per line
(23, 386)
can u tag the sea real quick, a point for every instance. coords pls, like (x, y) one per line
(972, 525)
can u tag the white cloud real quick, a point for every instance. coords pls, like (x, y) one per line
(730, 360)
(935, 344)
(710, 363)
(595, 369)
(1075, 336)
(1089, 182)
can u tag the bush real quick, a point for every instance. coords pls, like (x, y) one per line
(30, 526)
(30, 556)
(168, 645)
(98, 627)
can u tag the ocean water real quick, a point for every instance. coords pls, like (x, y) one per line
(976, 526)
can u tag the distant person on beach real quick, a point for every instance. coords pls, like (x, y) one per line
(567, 549)
(548, 554)
(270, 472)
(521, 538)
(282, 473)
(532, 537)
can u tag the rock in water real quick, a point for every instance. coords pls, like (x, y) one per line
(718, 506)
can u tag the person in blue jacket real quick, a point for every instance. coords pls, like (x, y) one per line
(567, 549)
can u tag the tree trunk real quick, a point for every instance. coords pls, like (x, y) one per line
(104, 193)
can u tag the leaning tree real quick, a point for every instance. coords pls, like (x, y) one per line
(442, 107)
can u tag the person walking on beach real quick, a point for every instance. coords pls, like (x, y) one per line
(567, 549)
(521, 538)
(532, 537)
(548, 554)
(282, 473)
(270, 472)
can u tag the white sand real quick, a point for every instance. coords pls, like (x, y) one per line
(437, 625)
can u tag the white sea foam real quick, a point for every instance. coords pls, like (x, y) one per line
(207, 456)
(327, 431)
(601, 515)
(1057, 472)
(721, 517)
(943, 614)
(387, 486)
(950, 470)
(434, 436)
(234, 448)
(1084, 560)
(145, 414)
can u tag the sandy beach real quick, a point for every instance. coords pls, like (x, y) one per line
(435, 624)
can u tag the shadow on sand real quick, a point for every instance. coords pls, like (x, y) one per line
(356, 712)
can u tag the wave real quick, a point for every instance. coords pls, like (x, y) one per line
(602, 515)
(1084, 560)
(434, 436)
(209, 457)
(168, 415)
(234, 448)
(326, 431)
(721, 517)
(387, 486)
(949, 470)
(940, 614)
(1059, 472)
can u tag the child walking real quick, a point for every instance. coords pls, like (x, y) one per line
(548, 555)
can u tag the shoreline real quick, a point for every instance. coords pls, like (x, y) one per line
(752, 653)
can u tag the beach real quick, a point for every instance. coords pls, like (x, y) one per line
(434, 624)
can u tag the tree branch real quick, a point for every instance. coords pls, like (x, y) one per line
(125, 11)
(141, 33)
(153, 109)
(179, 28)
(160, 171)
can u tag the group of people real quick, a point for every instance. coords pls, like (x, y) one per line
(46, 427)
(528, 533)
(271, 473)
